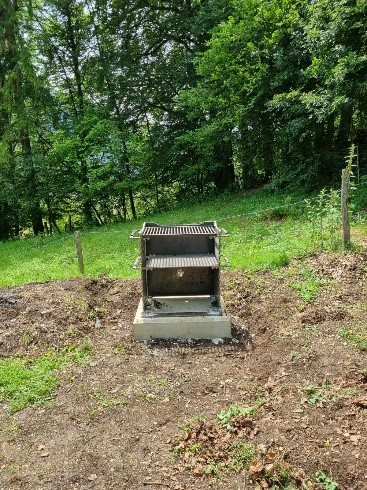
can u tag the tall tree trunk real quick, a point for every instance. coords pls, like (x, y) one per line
(14, 57)
(132, 203)
(32, 185)
(123, 205)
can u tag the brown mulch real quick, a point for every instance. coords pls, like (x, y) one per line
(113, 423)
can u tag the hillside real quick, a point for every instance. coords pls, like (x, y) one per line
(136, 416)
(271, 228)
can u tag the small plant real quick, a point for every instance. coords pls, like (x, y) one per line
(243, 456)
(314, 395)
(324, 218)
(148, 397)
(73, 332)
(81, 352)
(296, 356)
(194, 449)
(213, 469)
(14, 468)
(309, 287)
(11, 429)
(225, 417)
(325, 482)
(164, 382)
(363, 373)
(358, 340)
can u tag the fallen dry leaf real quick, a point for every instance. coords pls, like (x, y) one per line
(255, 469)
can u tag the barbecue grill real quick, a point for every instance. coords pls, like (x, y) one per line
(180, 269)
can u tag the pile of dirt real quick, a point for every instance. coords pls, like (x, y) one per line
(115, 422)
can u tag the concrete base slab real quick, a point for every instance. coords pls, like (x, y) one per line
(181, 325)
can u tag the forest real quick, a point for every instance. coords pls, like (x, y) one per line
(111, 109)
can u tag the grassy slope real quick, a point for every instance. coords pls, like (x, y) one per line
(256, 240)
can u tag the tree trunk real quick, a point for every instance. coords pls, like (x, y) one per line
(132, 203)
(32, 185)
(124, 208)
(99, 218)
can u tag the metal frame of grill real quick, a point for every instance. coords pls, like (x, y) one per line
(180, 261)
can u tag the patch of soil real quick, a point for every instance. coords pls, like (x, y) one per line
(112, 422)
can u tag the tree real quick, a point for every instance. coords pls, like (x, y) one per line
(19, 85)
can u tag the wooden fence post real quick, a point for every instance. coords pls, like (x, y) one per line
(344, 200)
(79, 252)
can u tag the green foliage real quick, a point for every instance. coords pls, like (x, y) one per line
(108, 402)
(213, 469)
(360, 195)
(309, 287)
(325, 482)
(242, 455)
(225, 417)
(316, 395)
(325, 220)
(129, 108)
(80, 353)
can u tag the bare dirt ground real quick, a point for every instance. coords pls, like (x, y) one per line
(116, 423)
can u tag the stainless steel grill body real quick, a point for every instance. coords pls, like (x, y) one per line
(180, 261)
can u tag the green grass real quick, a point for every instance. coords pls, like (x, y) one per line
(26, 382)
(266, 231)
(357, 339)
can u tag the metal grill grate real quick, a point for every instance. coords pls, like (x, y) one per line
(179, 230)
(169, 261)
